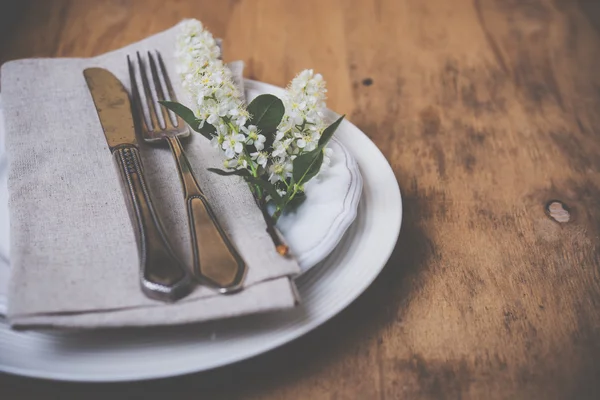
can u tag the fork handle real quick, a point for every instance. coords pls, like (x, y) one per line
(216, 260)
(163, 276)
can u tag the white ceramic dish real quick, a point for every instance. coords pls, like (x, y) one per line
(325, 290)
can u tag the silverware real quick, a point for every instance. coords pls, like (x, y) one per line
(216, 261)
(163, 276)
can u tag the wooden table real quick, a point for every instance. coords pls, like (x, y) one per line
(487, 111)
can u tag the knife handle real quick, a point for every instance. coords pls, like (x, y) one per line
(216, 260)
(163, 276)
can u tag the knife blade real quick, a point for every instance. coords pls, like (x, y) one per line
(113, 107)
(162, 275)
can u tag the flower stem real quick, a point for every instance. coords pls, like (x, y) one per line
(277, 214)
(280, 209)
(280, 245)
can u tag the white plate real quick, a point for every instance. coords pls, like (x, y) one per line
(314, 229)
(325, 290)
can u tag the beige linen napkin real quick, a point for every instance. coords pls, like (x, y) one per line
(74, 260)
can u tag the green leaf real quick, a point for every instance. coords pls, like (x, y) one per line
(266, 112)
(329, 131)
(307, 165)
(270, 189)
(238, 172)
(207, 130)
(181, 110)
(188, 116)
(297, 200)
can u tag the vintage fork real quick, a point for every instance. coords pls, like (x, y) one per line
(216, 261)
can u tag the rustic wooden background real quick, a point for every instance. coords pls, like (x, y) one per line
(487, 110)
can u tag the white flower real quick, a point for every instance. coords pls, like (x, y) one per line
(233, 145)
(213, 119)
(280, 170)
(280, 134)
(281, 147)
(217, 141)
(307, 141)
(230, 163)
(259, 142)
(241, 119)
(260, 157)
(250, 130)
(254, 138)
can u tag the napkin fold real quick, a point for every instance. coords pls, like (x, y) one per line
(74, 260)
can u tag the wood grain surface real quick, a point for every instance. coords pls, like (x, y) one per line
(487, 111)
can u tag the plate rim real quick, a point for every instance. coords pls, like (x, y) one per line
(341, 222)
(283, 339)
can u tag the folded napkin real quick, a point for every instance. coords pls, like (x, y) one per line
(74, 260)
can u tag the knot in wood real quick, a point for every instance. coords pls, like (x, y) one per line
(558, 211)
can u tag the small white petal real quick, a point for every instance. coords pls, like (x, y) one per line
(229, 153)
(212, 119)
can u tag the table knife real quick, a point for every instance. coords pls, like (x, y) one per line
(162, 275)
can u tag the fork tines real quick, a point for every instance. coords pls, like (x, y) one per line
(154, 119)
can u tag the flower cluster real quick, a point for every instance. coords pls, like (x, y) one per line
(302, 124)
(219, 104)
(217, 99)
(277, 149)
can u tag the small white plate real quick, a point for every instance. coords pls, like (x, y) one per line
(119, 355)
(314, 229)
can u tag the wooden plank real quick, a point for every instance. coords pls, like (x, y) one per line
(486, 111)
